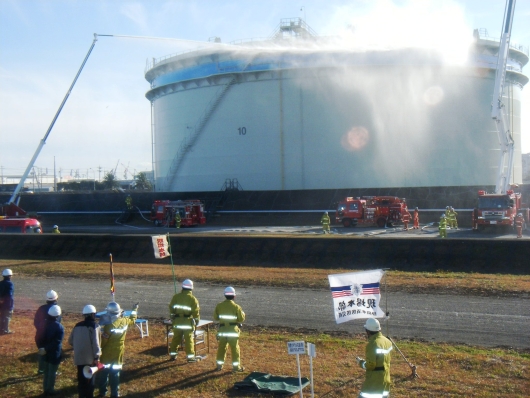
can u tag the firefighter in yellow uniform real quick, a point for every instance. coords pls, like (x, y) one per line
(184, 311)
(178, 220)
(325, 221)
(113, 348)
(230, 316)
(55, 230)
(377, 363)
(128, 202)
(442, 226)
(453, 223)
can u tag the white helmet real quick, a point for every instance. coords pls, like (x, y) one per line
(520, 215)
(230, 291)
(443, 216)
(55, 227)
(113, 308)
(7, 272)
(52, 295)
(372, 325)
(89, 309)
(54, 310)
(447, 207)
(187, 284)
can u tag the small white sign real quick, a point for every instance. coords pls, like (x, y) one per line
(296, 347)
(311, 350)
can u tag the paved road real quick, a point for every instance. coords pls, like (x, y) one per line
(440, 318)
(427, 231)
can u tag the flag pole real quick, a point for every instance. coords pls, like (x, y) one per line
(112, 287)
(172, 265)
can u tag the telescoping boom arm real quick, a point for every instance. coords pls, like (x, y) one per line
(14, 197)
(498, 113)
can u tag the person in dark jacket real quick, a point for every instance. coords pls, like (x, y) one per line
(39, 321)
(51, 346)
(86, 341)
(7, 302)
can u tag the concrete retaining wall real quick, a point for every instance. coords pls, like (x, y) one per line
(470, 255)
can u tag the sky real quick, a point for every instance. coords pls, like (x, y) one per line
(106, 125)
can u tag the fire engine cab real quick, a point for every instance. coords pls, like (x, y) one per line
(371, 210)
(498, 210)
(191, 212)
(19, 225)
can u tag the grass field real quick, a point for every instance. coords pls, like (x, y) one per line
(434, 282)
(445, 370)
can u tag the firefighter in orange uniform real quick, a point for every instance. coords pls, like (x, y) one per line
(416, 218)
(406, 220)
(519, 222)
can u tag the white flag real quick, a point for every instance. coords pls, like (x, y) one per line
(160, 246)
(356, 295)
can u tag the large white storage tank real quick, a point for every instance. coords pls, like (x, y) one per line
(298, 114)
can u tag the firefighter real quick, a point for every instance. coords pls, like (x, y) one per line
(519, 223)
(377, 362)
(325, 221)
(453, 223)
(416, 218)
(55, 230)
(7, 302)
(85, 339)
(128, 202)
(184, 311)
(178, 220)
(50, 348)
(406, 220)
(39, 321)
(442, 226)
(447, 215)
(474, 219)
(230, 317)
(113, 348)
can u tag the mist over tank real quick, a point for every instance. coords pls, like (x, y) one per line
(298, 111)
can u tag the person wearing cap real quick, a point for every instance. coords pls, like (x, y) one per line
(185, 315)
(325, 221)
(442, 226)
(230, 317)
(85, 339)
(416, 219)
(113, 348)
(50, 348)
(39, 321)
(7, 301)
(55, 230)
(377, 362)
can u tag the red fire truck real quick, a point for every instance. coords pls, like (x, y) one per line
(191, 212)
(498, 210)
(19, 225)
(371, 210)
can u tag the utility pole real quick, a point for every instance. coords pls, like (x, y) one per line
(54, 177)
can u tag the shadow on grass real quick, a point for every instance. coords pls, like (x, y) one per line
(159, 351)
(189, 382)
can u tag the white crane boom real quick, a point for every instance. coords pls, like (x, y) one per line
(13, 198)
(498, 113)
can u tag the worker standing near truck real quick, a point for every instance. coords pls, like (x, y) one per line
(178, 220)
(325, 221)
(442, 226)
(519, 222)
(406, 219)
(416, 218)
(453, 223)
